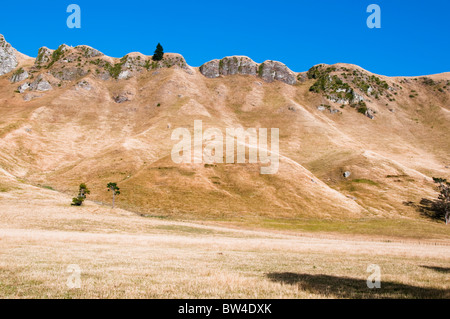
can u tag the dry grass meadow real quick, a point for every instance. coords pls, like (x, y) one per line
(124, 255)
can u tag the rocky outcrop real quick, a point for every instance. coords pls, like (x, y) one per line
(339, 100)
(211, 69)
(229, 66)
(88, 52)
(170, 60)
(323, 107)
(173, 60)
(302, 77)
(69, 74)
(19, 76)
(8, 59)
(123, 97)
(49, 57)
(44, 56)
(269, 71)
(85, 85)
(124, 75)
(357, 98)
(22, 88)
(40, 84)
(135, 63)
(31, 96)
(370, 113)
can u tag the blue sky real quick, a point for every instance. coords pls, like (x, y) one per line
(414, 38)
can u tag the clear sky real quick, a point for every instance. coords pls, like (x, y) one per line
(414, 38)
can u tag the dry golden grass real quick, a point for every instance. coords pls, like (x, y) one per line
(71, 135)
(124, 255)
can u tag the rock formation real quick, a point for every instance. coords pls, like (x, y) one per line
(44, 56)
(269, 71)
(19, 76)
(40, 84)
(8, 59)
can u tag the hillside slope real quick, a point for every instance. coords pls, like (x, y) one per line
(74, 115)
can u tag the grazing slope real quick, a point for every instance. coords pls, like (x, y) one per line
(123, 255)
(74, 115)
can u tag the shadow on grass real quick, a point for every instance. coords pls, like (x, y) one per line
(431, 209)
(443, 270)
(345, 287)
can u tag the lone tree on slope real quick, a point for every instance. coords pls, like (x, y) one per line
(82, 192)
(443, 201)
(115, 191)
(159, 53)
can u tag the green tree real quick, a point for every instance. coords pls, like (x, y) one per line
(443, 201)
(82, 192)
(159, 53)
(115, 191)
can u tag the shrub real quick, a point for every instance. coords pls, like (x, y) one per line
(19, 71)
(260, 69)
(362, 109)
(57, 54)
(115, 70)
(82, 192)
(428, 81)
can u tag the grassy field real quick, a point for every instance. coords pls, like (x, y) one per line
(124, 255)
(384, 229)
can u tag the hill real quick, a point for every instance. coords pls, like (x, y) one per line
(75, 115)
